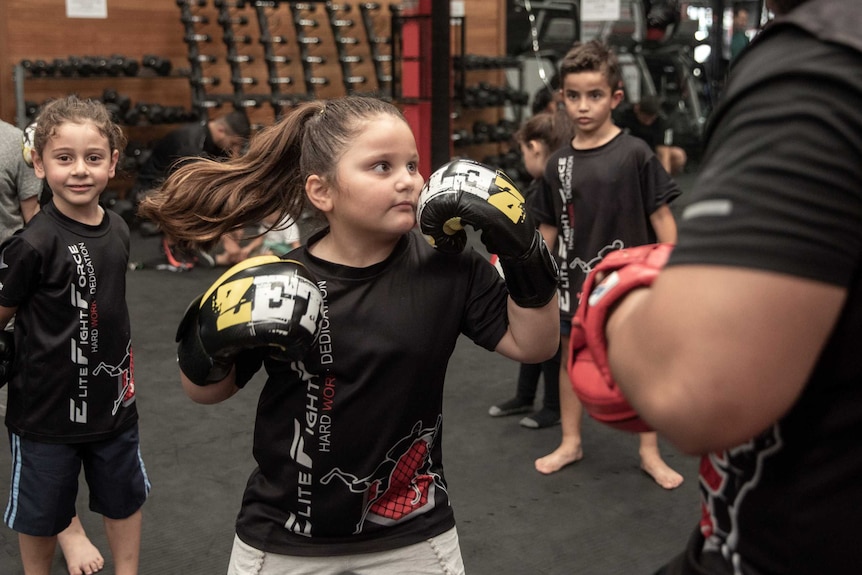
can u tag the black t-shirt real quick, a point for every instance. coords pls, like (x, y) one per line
(189, 141)
(781, 190)
(600, 200)
(72, 379)
(652, 134)
(348, 441)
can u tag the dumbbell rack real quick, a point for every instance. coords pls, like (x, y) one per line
(310, 49)
(381, 47)
(21, 76)
(487, 112)
(340, 22)
(305, 25)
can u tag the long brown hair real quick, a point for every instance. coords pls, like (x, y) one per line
(203, 200)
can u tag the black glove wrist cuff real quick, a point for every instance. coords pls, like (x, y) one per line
(531, 279)
(193, 359)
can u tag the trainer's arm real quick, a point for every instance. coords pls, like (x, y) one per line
(710, 356)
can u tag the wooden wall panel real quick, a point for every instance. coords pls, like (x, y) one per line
(39, 29)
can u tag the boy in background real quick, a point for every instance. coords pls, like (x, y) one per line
(605, 191)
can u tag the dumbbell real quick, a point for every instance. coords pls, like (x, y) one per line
(240, 58)
(161, 66)
(481, 132)
(63, 67)
(279, 80)
(194, 19)
(268, 39)
(237, 80)
(277, 59)
(196, 38)
(203, 59)
(461, 138)
(38, 67)
(249, 101)
(205, 80)
(121, 101)
(83, 66)
(228, 20)
(230, 38)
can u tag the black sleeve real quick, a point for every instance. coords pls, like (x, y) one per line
(248, 363)
(780, 188)
(658, 186)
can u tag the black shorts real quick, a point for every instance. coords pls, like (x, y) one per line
(44, 482)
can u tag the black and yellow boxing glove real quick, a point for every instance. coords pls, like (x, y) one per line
(264, 301)
(464, 192)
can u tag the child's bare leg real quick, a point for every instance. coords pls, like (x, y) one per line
(82, 557)
(654, 465)
(124, 537)
(571, 413)
(37, 553)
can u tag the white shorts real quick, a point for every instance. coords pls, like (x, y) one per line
(440, 555)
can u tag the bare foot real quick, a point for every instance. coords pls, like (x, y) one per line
(82, 557)
(559, 458)
(661, 472)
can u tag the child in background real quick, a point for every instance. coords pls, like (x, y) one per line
(279, 236)
(603, 192)
(62, 274)
(538, 137)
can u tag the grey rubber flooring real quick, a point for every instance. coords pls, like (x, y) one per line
(600, 516)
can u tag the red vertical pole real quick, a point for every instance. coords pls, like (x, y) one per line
(417, 63)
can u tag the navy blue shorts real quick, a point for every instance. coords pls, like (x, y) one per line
(44, 482)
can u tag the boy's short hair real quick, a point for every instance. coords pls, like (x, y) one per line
(593, 56)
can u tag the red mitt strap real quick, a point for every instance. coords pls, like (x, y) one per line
(623, 271)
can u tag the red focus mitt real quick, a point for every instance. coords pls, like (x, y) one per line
(622, 271)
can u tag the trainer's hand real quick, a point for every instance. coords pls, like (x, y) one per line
(7, 356)
(264, 301)
(464, 192)
(615, 277)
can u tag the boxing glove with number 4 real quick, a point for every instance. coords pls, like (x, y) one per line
(463, 192)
